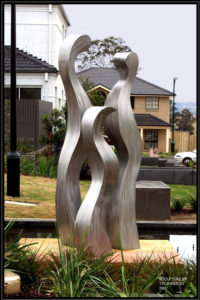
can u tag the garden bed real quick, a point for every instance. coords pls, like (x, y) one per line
(72, 273)
(186, 214)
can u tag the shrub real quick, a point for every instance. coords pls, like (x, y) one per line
(48, 167)
(28, 166)
(178, 203)
(54, 125)
(193, 203)
(53, 166)
(43, 166)
(20, 259)
(24, 145)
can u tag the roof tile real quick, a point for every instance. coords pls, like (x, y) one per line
(149, 120)
(26, 62)
(107, 77)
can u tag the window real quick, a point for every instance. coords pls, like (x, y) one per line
(152, 103)
(30, 93)
(7, 93)
(24, 93)
(59, 103)
(150, 138)
(132, 99)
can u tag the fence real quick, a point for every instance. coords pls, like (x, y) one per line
(184, 141)
(29, 125)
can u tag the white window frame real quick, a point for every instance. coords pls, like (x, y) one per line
(152, 103)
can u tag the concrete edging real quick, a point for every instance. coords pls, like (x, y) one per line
(50, 224)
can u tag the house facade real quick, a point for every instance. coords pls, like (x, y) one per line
(150, 104)
(40, 29)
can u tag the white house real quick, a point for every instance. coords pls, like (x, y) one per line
(40, 29)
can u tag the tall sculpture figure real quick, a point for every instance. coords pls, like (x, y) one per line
(123, 132)
(93, 213)
(68, 198)
(109, 206)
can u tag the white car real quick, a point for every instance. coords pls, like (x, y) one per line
(186, 157)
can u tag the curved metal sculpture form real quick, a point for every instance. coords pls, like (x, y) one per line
(92, 215)
(68, 198)
(109, 206)
(122, 130)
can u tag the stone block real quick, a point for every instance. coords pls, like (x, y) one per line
(162, 162)
(12, 283)
(152, 200)
(149, 161)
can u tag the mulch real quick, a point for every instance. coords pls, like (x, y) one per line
(186, 214)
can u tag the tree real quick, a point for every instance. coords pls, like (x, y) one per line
(55, 123)
(97, 98)
(176, 113)
(101, 52)
(55, 129)
(185, 120)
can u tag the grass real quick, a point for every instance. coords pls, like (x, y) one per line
(183, 193)
(37, 190)
(41, 191)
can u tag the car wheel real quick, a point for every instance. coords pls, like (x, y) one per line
(186, 161)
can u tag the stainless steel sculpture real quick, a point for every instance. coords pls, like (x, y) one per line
(68, 198)
(109, 206)
(92, 214)
(123, 132)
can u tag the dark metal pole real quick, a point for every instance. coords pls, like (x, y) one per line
(173, 105)
(13, 158)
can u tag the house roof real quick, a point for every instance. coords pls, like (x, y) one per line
(149, 120)
(107, 77)
(27, 63)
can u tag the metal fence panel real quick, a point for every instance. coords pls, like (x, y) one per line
(29, 125)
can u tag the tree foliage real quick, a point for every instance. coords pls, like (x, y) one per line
(176, 113)
(55, 123)
(184, 121)
(55, 129)
(101, 52)
(97, 98)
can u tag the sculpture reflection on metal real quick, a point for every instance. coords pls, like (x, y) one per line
(109, 206)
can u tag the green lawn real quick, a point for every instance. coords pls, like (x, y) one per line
(182, 191)
(41, 190)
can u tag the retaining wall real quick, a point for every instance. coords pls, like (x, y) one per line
(169, 175)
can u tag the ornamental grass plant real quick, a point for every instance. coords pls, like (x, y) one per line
(192, 200)
(178, 203)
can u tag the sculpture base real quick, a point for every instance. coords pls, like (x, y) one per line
(157, 250)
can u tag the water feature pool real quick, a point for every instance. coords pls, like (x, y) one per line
(185, 246)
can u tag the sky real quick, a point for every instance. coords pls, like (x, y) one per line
(163, 36)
